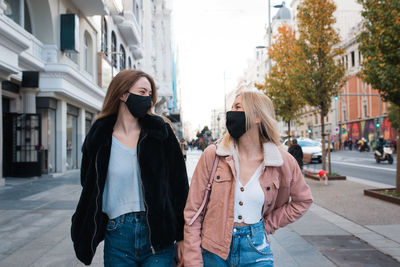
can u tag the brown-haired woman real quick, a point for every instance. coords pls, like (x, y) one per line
(134, 180)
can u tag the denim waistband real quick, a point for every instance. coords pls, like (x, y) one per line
(130, 217)
(249, 229)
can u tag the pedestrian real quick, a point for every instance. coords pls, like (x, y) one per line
(184, 147)
(134, 180)
(296, 151)
(245, 205)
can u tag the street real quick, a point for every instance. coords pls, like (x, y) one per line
(336, 231)
(360, 165)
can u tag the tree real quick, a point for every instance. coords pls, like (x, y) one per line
(321, 73)
(379, 44)
(281, 83)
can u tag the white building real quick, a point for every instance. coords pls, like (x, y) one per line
(57, 59)
(218, 124)
(348, 16)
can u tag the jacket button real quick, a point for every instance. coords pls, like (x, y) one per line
(268, 188)
(240, 203)
(240, 217)
(242, 189)
(218, 177)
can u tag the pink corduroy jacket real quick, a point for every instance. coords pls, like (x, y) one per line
(287, 198)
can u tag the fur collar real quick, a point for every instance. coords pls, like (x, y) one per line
(102, 129)
(272, 154)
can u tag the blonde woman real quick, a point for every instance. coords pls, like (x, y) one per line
(257, 188)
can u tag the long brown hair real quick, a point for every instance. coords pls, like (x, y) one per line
(120, 85)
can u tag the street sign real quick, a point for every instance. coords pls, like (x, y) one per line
(337, 130)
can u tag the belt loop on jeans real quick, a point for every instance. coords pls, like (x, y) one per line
(123, 218)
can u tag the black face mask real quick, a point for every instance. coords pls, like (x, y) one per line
(138, 105)
(236, 123)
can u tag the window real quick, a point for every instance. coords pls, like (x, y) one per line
(316, 119)
(347, 62)
(122, 58)
(113, 50)
(365, 111)
(104, 34)
(359, 58)
(87, 53)
(129, 63)
(344, 115)
(14, 12)
(353, 59)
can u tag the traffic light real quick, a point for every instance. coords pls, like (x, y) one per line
(378, 125)
(336, 98)
(309, 131)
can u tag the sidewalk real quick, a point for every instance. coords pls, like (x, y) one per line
(35, 223)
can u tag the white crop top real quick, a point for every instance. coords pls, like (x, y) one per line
(249, 199)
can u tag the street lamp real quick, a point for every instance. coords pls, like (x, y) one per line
(269, 26)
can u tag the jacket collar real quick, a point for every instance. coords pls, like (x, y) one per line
(102, 129)
(272, 154)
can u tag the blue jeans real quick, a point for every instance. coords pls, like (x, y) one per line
(127, 243)
(249, 247)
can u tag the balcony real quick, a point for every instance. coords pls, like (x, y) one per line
(32, 58)
(91, 7)
(128, 27)
(136, 51)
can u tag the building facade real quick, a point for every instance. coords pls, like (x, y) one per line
(56, 62)
(360, 110)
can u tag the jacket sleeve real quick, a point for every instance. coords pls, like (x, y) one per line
(192, 251)
(84, 162)
(178, 181)
(301, 200)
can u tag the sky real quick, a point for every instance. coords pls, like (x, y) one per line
(214, 39)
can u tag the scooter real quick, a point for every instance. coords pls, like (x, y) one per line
(387, 155)
(364, 147)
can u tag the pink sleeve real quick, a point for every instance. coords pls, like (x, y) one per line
(301, 200)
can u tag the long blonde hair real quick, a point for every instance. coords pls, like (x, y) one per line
(258, 105)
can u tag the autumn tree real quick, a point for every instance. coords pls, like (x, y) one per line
(379, 44)
(281, 84)
(321, 73)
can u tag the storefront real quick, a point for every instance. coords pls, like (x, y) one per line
(72, 137)
(367, 129)
(47, 107)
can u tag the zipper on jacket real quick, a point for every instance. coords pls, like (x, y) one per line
(144, 198)
(97, 197)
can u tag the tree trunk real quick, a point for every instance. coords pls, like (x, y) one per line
(323, 139)
(289, 141)
(397, 158)
(329, 154)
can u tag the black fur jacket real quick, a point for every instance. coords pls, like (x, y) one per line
(164, 178)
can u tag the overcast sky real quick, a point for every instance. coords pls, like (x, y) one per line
(213, 37)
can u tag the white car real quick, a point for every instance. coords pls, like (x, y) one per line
(309, 147)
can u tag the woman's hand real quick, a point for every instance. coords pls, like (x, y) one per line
(179, 254)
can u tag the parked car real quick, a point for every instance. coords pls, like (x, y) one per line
(326, 144)
(312, 150)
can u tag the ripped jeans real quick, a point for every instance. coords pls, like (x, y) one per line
(249, 247)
